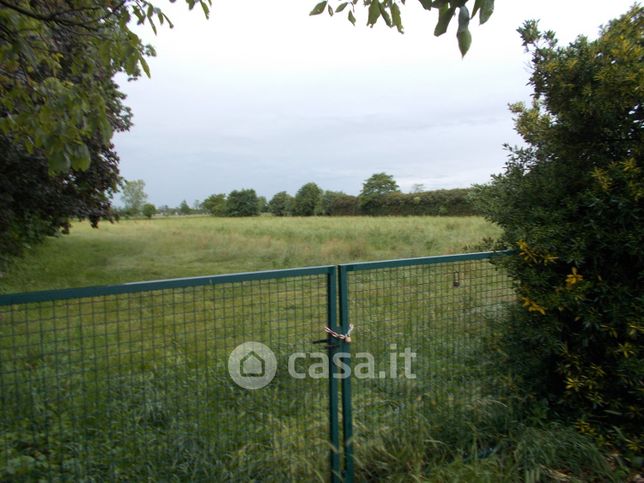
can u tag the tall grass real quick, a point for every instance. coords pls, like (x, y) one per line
(179, 247)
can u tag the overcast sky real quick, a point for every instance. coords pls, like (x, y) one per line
(263, 96)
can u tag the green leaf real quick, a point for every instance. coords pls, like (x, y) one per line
(463, 19)
(330, 10)
(477, 6)
(58, 161)
(395, 14)
(206, 10)
(351, 17)
(385, 15)
(82, 158)
(319, 8)
(487, 8)
(427, 4)
(374, 13)
(145, 66)
(445, 15)
(464, 41)
(341, 7)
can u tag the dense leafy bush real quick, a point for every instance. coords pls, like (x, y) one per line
(454, 202)
(215, 204)
(281, 204)
(572, 203)
(242, 203)
(307, 200)
(337, 203)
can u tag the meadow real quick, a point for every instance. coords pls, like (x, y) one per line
(160, 248)
(134, 387)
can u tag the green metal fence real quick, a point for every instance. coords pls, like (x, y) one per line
(441, 310)
(130, 382)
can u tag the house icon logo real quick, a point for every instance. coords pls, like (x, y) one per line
(252, 365)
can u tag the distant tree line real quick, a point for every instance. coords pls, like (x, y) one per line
(380, 196)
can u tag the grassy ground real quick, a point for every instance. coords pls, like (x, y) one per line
(178, 247)
(134, 387)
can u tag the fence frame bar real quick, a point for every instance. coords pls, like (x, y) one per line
(102, 290)
(347, 416)
(409, 262)
(334, 427)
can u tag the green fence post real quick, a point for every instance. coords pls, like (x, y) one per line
(347, 419)
(334, 429)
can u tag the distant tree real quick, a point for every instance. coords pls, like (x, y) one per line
(374, 190)
(197, 206)
(215, 205)
(379, 184)
(242, 203)
(184, 208)
(149, 210)
(307, 200)
(417, 188)
(262, 204)
(281, 204)
(133, 196)
(337, 203)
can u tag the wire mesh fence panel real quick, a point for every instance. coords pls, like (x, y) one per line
(134, 386)
(424, 326)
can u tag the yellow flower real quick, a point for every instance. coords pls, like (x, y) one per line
(533, 306)
(526, 253)
(573, 278)
(549, 259)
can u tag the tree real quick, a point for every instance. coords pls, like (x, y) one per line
(572, 204)
(40, 80)
(215, 205)
(262, 204)
(184, 208)
(242, 203)
(149, 210)
(374, 190)
(133, 196)
(418, 188)
(390, 13)
(281, 204)
(307, 200)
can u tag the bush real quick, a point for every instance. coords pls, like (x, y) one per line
(454, 202)
(149, 210)
(242, 203)
(281, 204)
(307, 200)
(336, 203)
(571, 203)
(215, 205)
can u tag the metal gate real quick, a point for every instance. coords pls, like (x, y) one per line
(422, 323)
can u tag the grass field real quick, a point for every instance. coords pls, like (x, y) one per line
(133, 250)
(134, 386)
